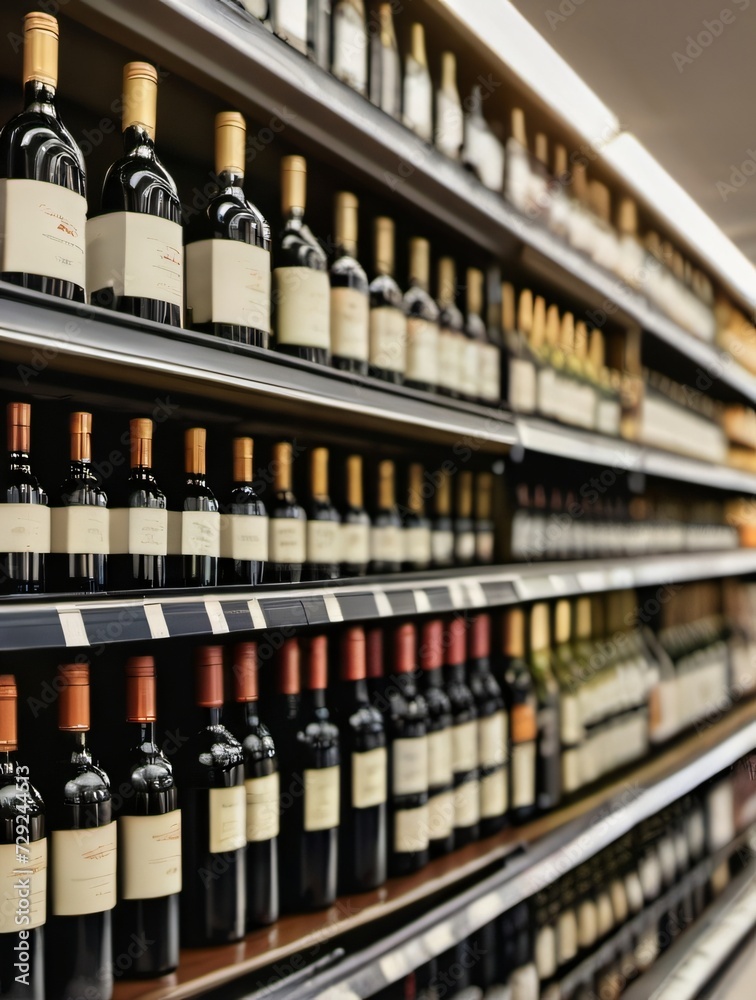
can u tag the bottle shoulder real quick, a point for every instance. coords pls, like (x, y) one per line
(244, 500)
(151, 770)
(232, 217)
(35, 145)
(420, 305)
(450, 318)
(299, 248)
(141, 184)
(384, 291)
(346, 272)
(19, 797)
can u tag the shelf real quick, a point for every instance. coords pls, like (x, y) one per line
(530, 855)
(261, 71)
(93, 621)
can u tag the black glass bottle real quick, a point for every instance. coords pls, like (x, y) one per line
(440, 772)
(422, 322)
(323, 523)
(23, 571)
(451, 339)
(520, 694)
(464, 736)
(200, 534)
(493, 726)
(386, 537)
(349, 292)
(416, 533)
(244, 526)
(355, 523)
(288, 522)
(388, 320)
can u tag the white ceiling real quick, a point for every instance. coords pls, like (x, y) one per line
(695, 112)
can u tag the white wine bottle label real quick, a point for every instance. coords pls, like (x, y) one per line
(150, 855)
(83, 870)
(23, 886)
(422, 350)
(493, 794)
(450, 348)
(355, 543)
(442, 547)
(571, 770)
(43, 230)
(608, 417)
(323, 538)
(244, 537)
(545, 953)
(291, 22)
(24, 527)
(263, 807)
(228, 281)
(80, 530)
(200, 533)
(489, 373)
(411, 830)
(418, 99)
(449, 132)
(386, 544)
(440, 771)
(287, 539)
(349, 60)
(469, 371)
(350, 323)
(138, 531)
(567, 936)
(369, 778)
(570, 724)
(321, 798)
(417, 545)
(547, 392)
(388, 338)
(410, 766)
(138, 255)
(522, 385)
(484, 546)
(440, 815)
(523, 775)
(228, 819)
(492, 739)
(604, 913)
(464, 546)
(465, 747)
(525, 983)
(303, 298)
(467, 804)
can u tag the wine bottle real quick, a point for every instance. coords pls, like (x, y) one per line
(83, 857)
(323, 523)
(23, 855)
(301, 290)
(318, 30)
(417, 105)
(422, 322)
(493, 726)
(483, 151)
(24, 515)
(355, 523)
(244, 524)
(442, 529)
(440, 773)
(288, 530)
(521, 361)
(477, 337)
(548, 762)
(149, 836)
(465, 764)
(451, 338)
(364, 774)
(568, 677)
(385, 65)
(464, 526)
(139, 529)
(228, 265)
(42, 180)
(135, 247)
(386, 541)
(290, 20)
(449, 132)
(417, 527)
(349, 44)
(80, 526)
(388, 322)
(200, 517)
(523, 723)
(517, 928)
(407, 728)
(485, 538)
(350, 301)
(262, 784)
(213, 803)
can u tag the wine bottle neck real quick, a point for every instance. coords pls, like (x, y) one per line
(358, 691)
(7, 764)
(81, 469)
(295, 218)
(40, 96)
(137, 141)
(231, 178)
(147, 735)
(455, 673)
(19, 461)
(142, 472)
(251, 714)
(80, 749)
(434, 677)
(195, 479)
(213, 715)
(316, 698)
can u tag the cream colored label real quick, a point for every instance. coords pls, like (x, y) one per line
(567, 936)
(388, 338)
(138, 255)
(524, 983)
(442, 547)
(386, 544)
(355, 543)
(83, 870)
(608, 417)
(522, 385)
(587, 919)
(80, 530)
(287, 540)
(263, 807)
(465, 546)
(440, 815)
(546, 381)
(349, 59)
(349, 323)
(523, 775)
(450, 347)
(138, 531)
(410, 766)
(321, 798)
(489, 372)
(422, 350)
(23, 885)
(492, 739)
(323, 541)
(484, 546)
(417, 545)
(469, 370)
(228, 808)
(493, 794)
(291, 21)
(228, 281)
(369, 778)
(303, 297)
(43, 230)
(440, 771)
(150, 855)
(467, 804)
(465, 747)
(571, 770)
(572, 730)
(546, 952)
(24, 527)
(200, 533)
(411, 830)
(244, 537)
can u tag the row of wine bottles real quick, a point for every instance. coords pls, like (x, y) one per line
(626, 906)
(92, 546)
